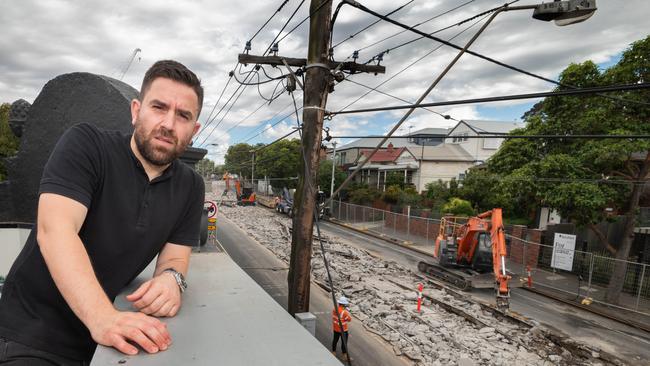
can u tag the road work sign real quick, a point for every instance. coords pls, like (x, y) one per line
(563, 250)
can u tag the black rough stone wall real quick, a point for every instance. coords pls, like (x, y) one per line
(64, 101)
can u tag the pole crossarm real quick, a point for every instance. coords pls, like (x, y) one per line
(349, 66)
(558, 93)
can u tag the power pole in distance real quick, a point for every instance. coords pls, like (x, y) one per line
(318, 78)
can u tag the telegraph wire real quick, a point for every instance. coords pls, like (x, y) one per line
(556, 93)
(473, 53)
(424, 22)
(411, 65)
(445, 116)
(349, 37)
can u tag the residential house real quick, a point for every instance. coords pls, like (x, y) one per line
(383, 162)
(480, 148)
(426, 155)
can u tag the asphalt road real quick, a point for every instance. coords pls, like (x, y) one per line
(270, 273)
(619, 339)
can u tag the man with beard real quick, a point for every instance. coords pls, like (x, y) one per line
(108, 204)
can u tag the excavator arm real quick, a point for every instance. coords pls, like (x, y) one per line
(499, 253)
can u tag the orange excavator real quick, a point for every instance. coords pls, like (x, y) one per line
(468, 249)
(245, 195)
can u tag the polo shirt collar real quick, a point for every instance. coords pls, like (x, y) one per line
(166, 174)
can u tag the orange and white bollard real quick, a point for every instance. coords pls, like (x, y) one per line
(530, 278)
(420, 288)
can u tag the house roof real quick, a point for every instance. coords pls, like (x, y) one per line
(484, 127)
(430, 131)
(388, 155)
(444, 152)
(371, 142)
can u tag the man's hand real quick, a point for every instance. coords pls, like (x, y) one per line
(160, 296)
(118, 328)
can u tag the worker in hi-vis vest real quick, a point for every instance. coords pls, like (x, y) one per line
(345, 319)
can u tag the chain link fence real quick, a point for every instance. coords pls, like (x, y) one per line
(591, 278)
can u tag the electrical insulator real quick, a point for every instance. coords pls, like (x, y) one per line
(291, 83)
(355, 55)
(275, 48)
(248, 46)
(379, 58)
(338, 76)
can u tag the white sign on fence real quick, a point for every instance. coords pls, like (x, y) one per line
(563, 250)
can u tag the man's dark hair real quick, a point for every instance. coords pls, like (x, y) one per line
(176, 71)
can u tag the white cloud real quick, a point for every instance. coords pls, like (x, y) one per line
(41, 40)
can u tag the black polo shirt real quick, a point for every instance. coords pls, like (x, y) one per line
(129, 220)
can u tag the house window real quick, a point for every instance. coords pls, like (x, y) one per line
(342, 157)
(492, 143)
(460, 138)
(461, 176)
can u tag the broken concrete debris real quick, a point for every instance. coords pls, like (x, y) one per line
(381, 303)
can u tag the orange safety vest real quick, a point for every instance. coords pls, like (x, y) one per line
(345, 319)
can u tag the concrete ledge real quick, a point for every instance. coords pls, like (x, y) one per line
(226, 319)
(12, 239)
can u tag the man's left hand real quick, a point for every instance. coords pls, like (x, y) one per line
(160, 296)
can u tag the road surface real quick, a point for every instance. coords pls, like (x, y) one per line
(271, 274)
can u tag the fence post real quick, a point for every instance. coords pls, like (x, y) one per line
(408, 222)
(591, 272)
(347, 212)
(395, 222)
(525, 258)
(428, 223)
(339, 212)
(638, 296)
(383, 220)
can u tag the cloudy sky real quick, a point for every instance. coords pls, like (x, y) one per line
(42, 39)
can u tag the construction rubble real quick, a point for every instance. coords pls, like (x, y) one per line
(450, 329)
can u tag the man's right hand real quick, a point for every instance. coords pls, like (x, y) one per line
(118, 328)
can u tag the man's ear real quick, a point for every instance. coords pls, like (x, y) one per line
(197, 125)
(135, 110)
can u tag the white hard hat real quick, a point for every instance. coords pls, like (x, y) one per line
(343, 300)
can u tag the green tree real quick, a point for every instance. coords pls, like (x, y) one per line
(479, 187)
(574, 172)
(364, 196)
(409, 196)
(395, 179)
(325, 176)
(238, 159)
(391, 194)
(458, 207)
(205, 167)
(280, 162)
(8, 142)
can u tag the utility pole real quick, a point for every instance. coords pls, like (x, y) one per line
(332, 184)
(317, 77)
(320, 73)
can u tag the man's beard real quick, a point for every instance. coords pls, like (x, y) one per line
(157, 156)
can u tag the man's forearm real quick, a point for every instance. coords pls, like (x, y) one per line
(70, 267)
(173, 256)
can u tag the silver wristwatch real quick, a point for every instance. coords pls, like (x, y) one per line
(180, 279)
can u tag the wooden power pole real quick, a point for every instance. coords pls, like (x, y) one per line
(318, 76)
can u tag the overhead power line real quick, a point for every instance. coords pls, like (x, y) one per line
(349, 37)
(473, 53)
(410, 65)
(569, 92)
(499, 135)
(419, 24)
